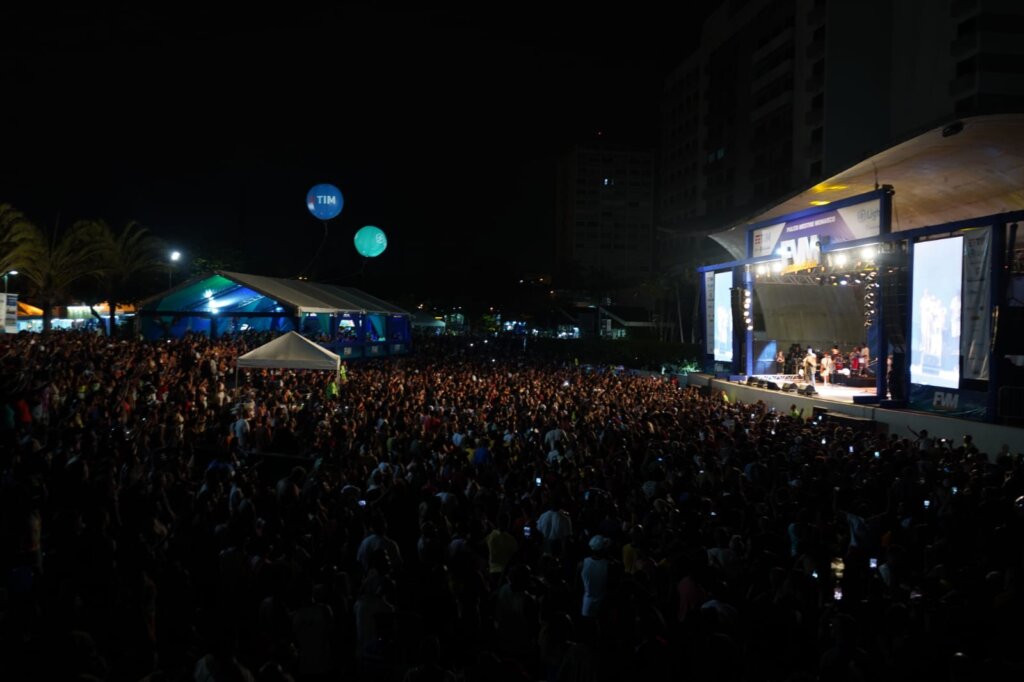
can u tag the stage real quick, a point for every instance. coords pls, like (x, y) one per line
(833, 392)
(838, 402)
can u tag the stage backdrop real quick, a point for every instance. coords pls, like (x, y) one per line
(812, 315)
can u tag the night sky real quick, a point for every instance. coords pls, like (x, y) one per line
(440, 127)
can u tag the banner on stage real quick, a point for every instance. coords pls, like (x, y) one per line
(975, 330)
(798, 242)
(709, 312)
(948, 402)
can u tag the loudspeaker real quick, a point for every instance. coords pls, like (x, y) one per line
(751, 381)
(761, 383)
(807, 390)
(772, 386)
(789, 387)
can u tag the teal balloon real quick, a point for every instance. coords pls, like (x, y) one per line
(370, 241)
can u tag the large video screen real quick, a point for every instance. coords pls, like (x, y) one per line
(935, 314)
(723, 317)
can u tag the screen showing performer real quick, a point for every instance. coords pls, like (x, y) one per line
(723, 317)
(935, 317)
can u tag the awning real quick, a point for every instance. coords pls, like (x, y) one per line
(971, 169)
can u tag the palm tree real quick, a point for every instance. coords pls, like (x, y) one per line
(127, 259)
(53, 262)
(14, 234)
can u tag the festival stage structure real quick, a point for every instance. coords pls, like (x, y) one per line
(348, 321)
(913, 253)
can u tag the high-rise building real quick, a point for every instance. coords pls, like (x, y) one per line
(781, 95)
(605, 217)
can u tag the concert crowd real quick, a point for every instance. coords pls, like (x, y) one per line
(479, 511)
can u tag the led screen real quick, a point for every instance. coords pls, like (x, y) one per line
(723, 317)
(935, 315)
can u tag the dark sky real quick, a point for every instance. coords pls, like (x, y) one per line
(440, 127)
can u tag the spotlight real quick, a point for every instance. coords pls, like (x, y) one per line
(869, 253)
(760, 270)
(777, 267)
(841, 259)
(843, 282)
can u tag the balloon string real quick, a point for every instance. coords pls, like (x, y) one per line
(323, 243)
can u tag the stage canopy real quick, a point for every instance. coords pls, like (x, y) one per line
(970, 168)
(291, 351)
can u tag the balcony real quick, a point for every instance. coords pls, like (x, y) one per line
(813, 150)
(816, 49)
(814, 83)
(964, 45)
(816, 17)
(961, 8)
(963, 84)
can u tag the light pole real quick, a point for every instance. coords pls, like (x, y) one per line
(175, 257)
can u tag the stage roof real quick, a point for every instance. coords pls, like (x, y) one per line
(236, 293)
(977, 171)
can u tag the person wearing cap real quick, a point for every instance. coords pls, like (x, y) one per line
(596, 575)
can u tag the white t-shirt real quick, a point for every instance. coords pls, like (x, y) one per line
(554, 525)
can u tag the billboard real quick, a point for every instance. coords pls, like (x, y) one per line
(723, 316)
(10, 315)
(936, 313)
(709, 312)
(798, 242)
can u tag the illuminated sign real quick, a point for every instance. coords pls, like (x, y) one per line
(798, 242)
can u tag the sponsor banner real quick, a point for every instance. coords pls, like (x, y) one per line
(10, 315)
(950, 402)
(709, 312)
(798, 242)
(975, 327)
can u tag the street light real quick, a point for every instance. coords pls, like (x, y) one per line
(9, 272)
(175, 257)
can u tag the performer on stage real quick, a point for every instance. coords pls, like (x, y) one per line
(780, 362)
(827, 365)
(810, 365)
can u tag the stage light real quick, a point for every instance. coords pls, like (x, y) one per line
(777, 267)
(869, 253)
(856, 280)
(760, 270)
(841, 259)
(843, 282)
(750, 327)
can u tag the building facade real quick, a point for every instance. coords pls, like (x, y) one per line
(779, 96)
(605, 217)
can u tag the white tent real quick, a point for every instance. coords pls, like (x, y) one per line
(291, 351)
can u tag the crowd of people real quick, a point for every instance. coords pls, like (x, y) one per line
(475, 512)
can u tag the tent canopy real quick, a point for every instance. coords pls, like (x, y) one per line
(291, 351)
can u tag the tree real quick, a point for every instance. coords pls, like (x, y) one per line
(52, 262)
(15, 232)
(127, 261)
